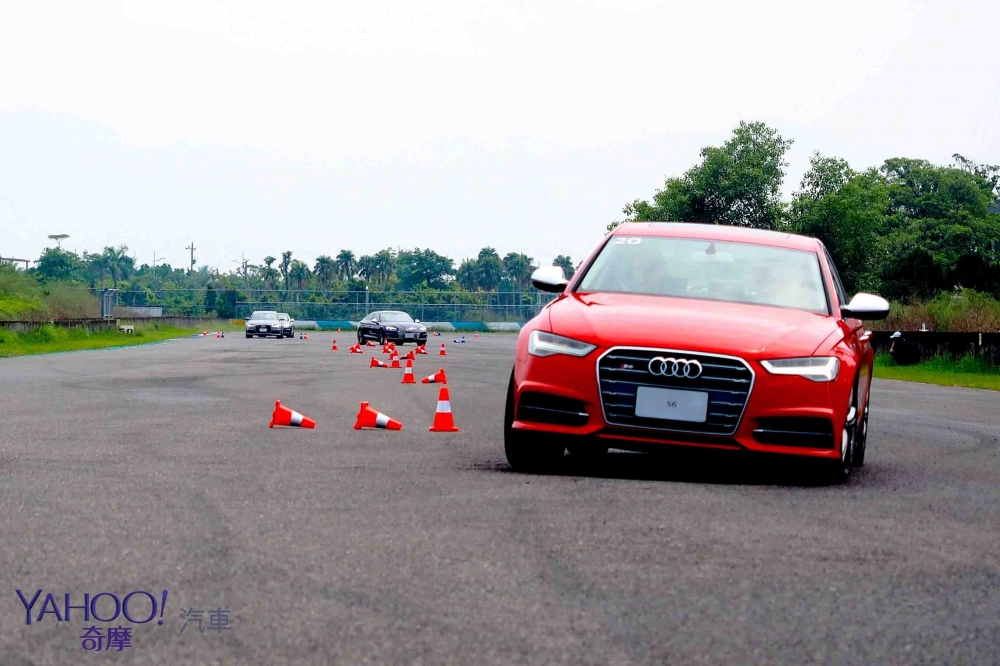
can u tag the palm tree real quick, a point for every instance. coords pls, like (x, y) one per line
(566, 264)
(96, 266)
(325, 271)
(366, 267)
(286, 262)
(518, 267)
(466, 274)
(490, 269)
(385, 265)
(347, 265)
(269, 275)
(118, 263)
(299, 275)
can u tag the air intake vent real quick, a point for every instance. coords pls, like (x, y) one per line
(545, 408)
(813, 433)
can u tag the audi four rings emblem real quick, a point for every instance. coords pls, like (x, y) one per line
(675, 367)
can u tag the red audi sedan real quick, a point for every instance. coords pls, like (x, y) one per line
(677, 334)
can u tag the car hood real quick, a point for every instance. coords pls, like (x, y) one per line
(750, 331)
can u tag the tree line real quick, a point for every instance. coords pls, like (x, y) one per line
(908, 229)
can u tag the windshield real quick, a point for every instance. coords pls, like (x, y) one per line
(395, 317)
(263, 315)
(282, 316)
(711, 270)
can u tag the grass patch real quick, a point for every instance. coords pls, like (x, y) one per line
(51, 339)
(967, 371)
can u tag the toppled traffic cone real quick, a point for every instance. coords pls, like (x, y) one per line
(442, 352)
(437, 378)
(369, 344)
(283, 416)
(443, 420)
(386, 350)
(377, 363)
(422, 349)
(334, 347)
(461, 342)
(372, 418)
(408, 377)
(204, 333)
(477, 335)
(356, 349)
(395, 361)
(410, 356)
(305, 336)
(218, 334)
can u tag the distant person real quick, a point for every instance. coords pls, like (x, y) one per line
(902, 351)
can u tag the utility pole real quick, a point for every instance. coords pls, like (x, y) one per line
(192, 248)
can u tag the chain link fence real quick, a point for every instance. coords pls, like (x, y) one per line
(502, 306)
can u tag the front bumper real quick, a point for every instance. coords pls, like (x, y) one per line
(561, 395)
(400, 336)
(264, 330)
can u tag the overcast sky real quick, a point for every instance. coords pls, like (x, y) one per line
(257, 127)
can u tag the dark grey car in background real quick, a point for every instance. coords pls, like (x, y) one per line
(392, 326)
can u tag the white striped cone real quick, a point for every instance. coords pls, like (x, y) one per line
(443, 419)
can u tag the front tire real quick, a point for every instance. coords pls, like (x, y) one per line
(528, 451)
(838, 471)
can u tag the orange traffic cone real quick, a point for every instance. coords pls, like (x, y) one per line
(218, 334)
(369, 344)
(338, 330)
(392, 346)
(371, 418)
(356, 349)
(204, 333)
(377, 363)
(305, 336)
(442, 352)
(410, 356)
(395, 361)
(422, 349)
(408, 377)
(443, 420)
(283, 416)
(437, 378)
(334, 347)
(386, 350)
(477, 335)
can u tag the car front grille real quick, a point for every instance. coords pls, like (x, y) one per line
(545, 408)
(727, 380)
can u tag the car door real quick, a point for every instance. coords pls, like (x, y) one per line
(857, 338)
(375, 331)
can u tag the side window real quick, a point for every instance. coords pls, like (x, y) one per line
(374, 319)
(837, 284)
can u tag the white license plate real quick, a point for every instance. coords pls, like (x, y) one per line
(410, 336)
(262, 328)
(671, 404)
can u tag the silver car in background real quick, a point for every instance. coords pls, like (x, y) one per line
(287, 324)
(264, 323)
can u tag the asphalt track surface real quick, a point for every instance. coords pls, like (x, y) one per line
(153, 468)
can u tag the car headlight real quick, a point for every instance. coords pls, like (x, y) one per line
(390, 328)
(422, 329)
(816, 368)
(547, 344)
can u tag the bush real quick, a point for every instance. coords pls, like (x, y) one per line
(964, 311)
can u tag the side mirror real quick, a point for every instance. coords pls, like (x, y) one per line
(866, 306)
(549, 278)
(416, 321)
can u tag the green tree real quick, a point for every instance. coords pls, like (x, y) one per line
(738, 184)
(566, 264)
(385, 266)
(847, 211)
(298, 275)
(347, 265)
(489, 269)
(57, 264)
(325, 271)
(423, 268)
(518, 267)
(285, 265)
(467, 275)
(367, 267)
(118, 263)
(209, 299)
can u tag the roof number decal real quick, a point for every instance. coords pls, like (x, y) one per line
(627, 240)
